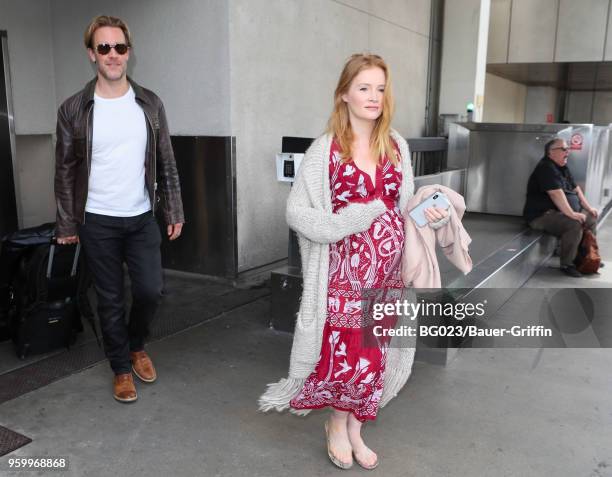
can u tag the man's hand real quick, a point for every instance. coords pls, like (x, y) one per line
(67, 240)
(593, 212)
(579, 216)
(174, 231)
(433, 214)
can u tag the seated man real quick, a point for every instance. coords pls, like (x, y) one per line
(554, 203)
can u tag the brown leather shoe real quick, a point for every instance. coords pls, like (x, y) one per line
(143, 366)
(123, 388)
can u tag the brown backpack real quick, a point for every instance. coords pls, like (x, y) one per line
(588, 258)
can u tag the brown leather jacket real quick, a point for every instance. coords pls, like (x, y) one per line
(73, 159)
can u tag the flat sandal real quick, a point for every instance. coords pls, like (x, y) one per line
(367, 467)
(337, 462)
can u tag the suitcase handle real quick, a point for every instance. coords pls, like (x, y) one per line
(75, 262)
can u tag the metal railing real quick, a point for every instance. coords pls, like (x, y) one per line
(428, 155)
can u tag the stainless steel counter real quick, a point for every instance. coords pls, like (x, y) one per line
(500, 157)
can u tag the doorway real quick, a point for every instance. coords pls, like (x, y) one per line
(9, 221)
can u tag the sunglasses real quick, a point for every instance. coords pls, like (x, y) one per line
(564, 149)
(105, 48)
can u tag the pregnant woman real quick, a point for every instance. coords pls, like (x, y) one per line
(346, 208)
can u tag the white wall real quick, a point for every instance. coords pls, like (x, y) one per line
(504, 101)
(533, 29)
(28, 27)
(541, 101)
(581, 30)
(30, 58)
(545, 31)
(464, 56)
(602, 108)
(579, 107)
(286, 57)
(180, 51)
(589, 107)
(499, 31)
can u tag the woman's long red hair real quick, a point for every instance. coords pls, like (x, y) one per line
(339, 124)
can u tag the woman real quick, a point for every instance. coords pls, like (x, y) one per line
(345, 206)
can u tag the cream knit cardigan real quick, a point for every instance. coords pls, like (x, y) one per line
(309, 213)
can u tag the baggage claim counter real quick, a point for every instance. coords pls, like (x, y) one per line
(500, 157)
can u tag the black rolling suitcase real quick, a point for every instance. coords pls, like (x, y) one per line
(47, 287)
(14, 247)
(5, 328)
(45, 295)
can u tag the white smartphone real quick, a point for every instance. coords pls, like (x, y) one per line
(437, 199)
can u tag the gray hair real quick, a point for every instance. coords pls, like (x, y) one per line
(551, 143)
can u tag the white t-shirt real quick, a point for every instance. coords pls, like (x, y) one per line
(117, 178)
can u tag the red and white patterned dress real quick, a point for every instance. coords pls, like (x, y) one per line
(349, 376)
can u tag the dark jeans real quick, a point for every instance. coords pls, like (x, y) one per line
(568, 230)
(108, 242)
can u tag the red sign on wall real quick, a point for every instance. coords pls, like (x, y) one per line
(549, 118)
(576, 142)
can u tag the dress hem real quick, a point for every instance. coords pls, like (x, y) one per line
(337, 408)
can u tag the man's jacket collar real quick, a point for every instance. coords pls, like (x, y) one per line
(90, 89)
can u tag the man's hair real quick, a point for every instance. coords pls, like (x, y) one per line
(551, 143)
(105, 21)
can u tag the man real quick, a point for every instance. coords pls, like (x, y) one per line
(113, 159)
(554, 203)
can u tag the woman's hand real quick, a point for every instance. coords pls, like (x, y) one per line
(433, 214)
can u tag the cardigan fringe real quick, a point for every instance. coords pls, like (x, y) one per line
(278, 395)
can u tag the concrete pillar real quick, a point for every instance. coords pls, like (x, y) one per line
(464, 56)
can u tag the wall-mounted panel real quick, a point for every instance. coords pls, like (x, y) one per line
(581, 30)
(499, 31)
(36, 172)
(532, 31)
(208, 242)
